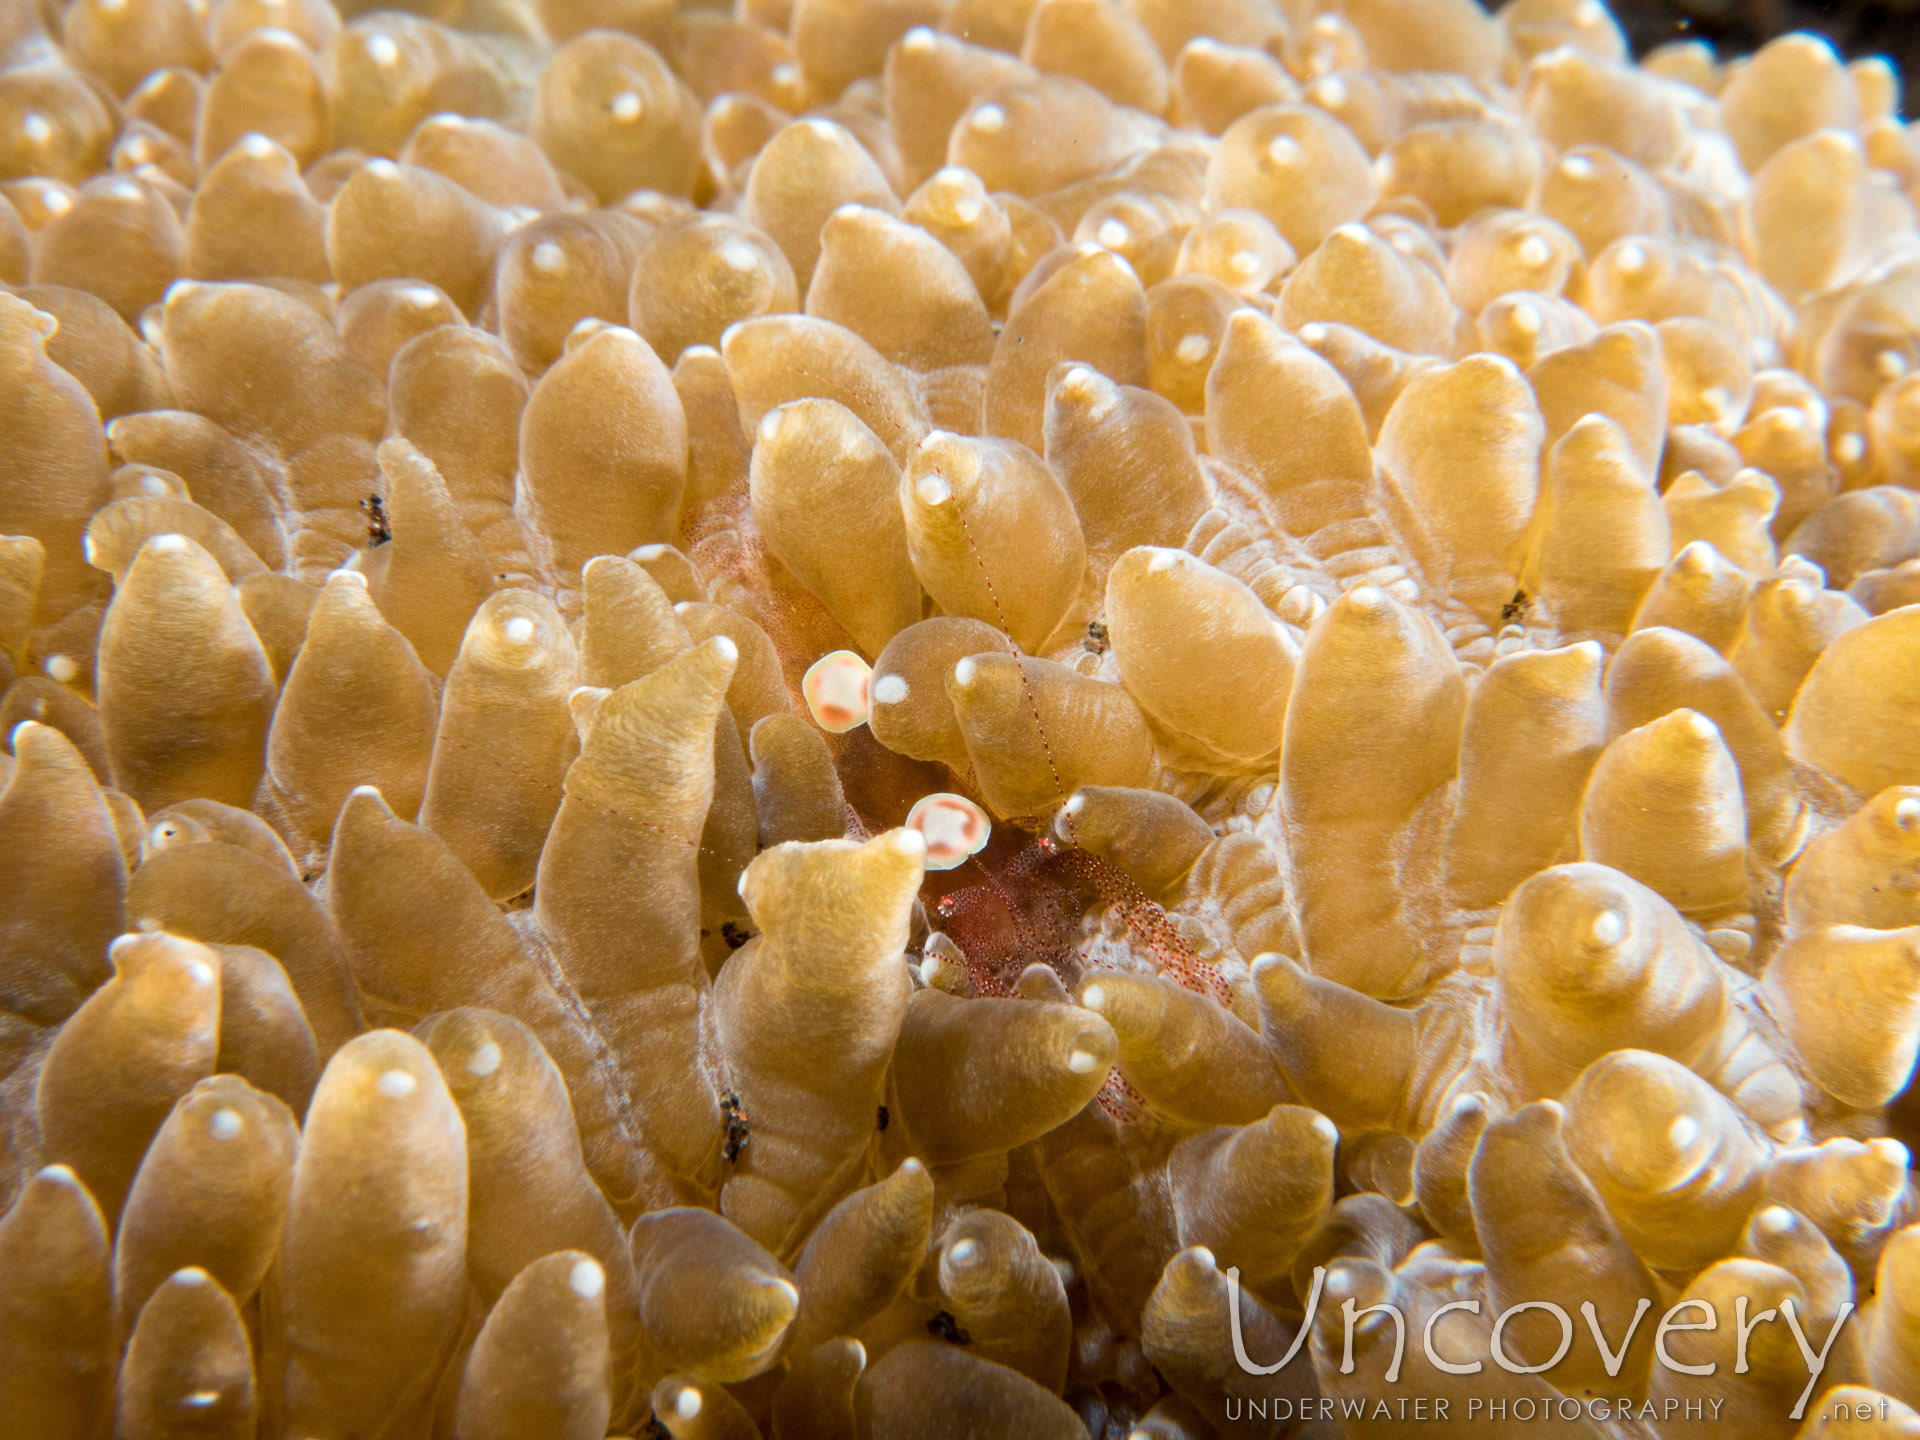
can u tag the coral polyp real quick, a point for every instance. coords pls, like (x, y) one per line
(891, 719)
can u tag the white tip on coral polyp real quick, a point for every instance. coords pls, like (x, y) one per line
(587, 1279)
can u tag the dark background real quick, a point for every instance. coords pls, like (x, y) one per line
(1737, 27)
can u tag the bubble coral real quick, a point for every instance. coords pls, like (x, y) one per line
(877, 719)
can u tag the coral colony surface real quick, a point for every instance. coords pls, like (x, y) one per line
(913, 719)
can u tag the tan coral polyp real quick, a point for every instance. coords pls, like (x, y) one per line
(1361, 560)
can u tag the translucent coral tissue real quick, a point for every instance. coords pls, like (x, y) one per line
(900, 719)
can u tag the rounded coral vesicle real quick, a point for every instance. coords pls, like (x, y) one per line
(900, 718)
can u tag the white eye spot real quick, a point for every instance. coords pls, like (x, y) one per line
(964, 1252)
(549, 258)
(484, 1060)
(1325, 1128)
(822, 130)
(1163, 560)
(138, 149)
(1609, 927)
(420, 297)
(201, 1399)
(963, 672)
(1526, 319)
(1577, 167)
(953, 827)
(519, 630)
(1192, 349)
(382, 169)
(724, 647)
(57, 202)
(1631, 259)
(1082, 1062)
(1244, 263)
(626, 107)
(37, 129)
(1786, 418)
(1113, 233)
(1849, 449)
(62, 669)
(1907, 814)
(835, 689)
(200, 972)
(192, 1275)
(918, 40)
(687, 1404)
(785, 74)
(256, 146)
(397, 1084)
(1589, 12)
(1313, 333)
(1683, 1132)
(890, 689)
(989, 120)
(1534, 251)
(225, 1124)
(587, 1279)
(124, 190)
(740, 257)
(382, 50)
(1285, 151)
(933, 489)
